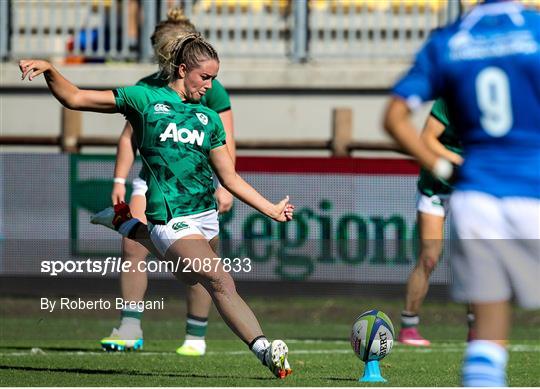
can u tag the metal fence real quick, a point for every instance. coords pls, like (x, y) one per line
(61, 28)
(296, 29)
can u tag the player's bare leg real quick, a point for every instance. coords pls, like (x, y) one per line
(199, 303)
(430, 234)
(133, 282)
(492, 321)
(220, 285)
(486, 356)
(431, 229)
(234, 311)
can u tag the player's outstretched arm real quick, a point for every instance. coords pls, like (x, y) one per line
(224, 168)
(65, 92)
(398, 123)
(433, 129)
(125, 157)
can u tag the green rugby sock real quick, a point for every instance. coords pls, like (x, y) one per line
(196, 327)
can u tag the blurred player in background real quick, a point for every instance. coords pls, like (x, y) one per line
(432, 208)
(486, 66)
(181, 142)
(134, 282)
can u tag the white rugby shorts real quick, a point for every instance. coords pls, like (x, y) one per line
(164, 235)
(495, 248)
(433, 205)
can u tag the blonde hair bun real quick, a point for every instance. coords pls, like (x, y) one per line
(176, 15)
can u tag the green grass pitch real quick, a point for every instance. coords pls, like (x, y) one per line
(40, 349)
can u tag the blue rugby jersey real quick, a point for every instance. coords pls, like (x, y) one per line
(486, 66)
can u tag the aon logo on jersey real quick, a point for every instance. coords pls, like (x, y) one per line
(182, 135)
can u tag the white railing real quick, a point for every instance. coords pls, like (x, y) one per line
(300, 30)
(372, 29)
(62, 28)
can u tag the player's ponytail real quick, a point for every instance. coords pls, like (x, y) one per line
(166, 33)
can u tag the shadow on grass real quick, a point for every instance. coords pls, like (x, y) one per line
(127, 372)
(50, 348)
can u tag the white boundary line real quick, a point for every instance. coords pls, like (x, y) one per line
(446, 347)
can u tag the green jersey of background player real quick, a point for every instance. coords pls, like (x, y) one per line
(432, 206)
(427, 184)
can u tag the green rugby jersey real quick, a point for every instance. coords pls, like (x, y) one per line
(215, 98)
(427, 184)
(174, 140)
